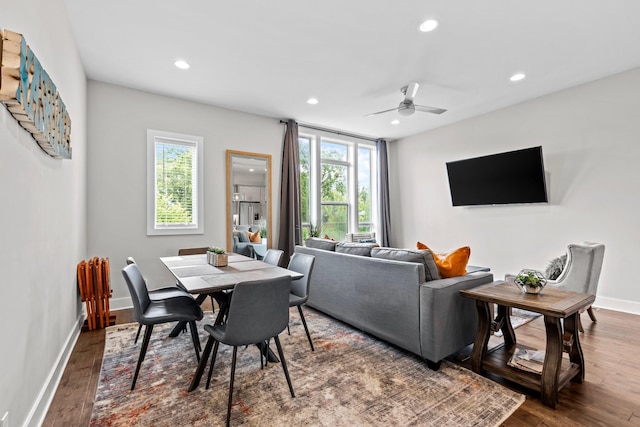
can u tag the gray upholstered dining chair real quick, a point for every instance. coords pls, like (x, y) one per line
(149, 313)
(301, 263)
(258, 311)
(273, 256)
(160, 294)
(581, 272)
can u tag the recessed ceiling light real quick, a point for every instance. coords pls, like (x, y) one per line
(517, 77)
(395, 122)
(182, 64)
(312, 101)
(428, 25)
(250, 170)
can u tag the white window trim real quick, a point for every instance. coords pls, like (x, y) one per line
(198, 141)
(315, 139)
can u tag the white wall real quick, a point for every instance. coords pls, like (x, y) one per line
(42, 223)
(590, 136)
(118, 121)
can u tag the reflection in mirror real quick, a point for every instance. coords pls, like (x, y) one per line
(248, 201)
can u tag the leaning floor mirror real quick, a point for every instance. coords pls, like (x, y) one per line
(248, 198)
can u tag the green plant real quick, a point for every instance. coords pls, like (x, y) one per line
(216, 250)
(530, 278)
(314, 230)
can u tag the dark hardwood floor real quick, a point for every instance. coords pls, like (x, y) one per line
(608, 397)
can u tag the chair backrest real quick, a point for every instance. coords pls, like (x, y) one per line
(258, 311)
(138, 291)
(192, 251)
(582, 271)
(301, 263)
(273, 256)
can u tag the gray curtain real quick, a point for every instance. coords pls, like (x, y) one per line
(384, 215)
(290, 217)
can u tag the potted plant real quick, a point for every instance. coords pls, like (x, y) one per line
(217, 257)
(263, 230)
(530, 281)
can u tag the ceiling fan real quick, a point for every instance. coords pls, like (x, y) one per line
(407, 107)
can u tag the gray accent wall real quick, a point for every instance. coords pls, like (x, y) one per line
(590, 136)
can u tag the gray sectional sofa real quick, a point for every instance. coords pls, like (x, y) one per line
(394, 294)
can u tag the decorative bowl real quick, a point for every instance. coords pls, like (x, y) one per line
(530, 281)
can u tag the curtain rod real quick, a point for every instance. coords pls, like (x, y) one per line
(352, 135)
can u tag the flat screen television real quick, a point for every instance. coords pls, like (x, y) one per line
(505, 178)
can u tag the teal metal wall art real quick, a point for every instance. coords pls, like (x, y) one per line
(31, 97)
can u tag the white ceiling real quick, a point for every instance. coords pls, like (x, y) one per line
(269, 57)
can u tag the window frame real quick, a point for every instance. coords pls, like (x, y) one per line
(316, 137)
(197, 198)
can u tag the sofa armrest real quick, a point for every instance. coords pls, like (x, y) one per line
(448, 320)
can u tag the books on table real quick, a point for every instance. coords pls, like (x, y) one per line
(527, 360)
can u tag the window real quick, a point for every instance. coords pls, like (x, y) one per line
(337, 184)
(174, 183)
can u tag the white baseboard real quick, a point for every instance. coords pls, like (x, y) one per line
(618, 305)
(120, 303)
(41, 406)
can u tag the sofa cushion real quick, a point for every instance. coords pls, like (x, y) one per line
(242, 236)
(450, 264)
(354, 248)
(424, 256)
(317, 243)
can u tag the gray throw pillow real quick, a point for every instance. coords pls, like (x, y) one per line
(424, 257)
(555, 267)
(353, 248)
(316, 243)
(243, 237)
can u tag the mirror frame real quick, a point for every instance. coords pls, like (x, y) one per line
(267, 157)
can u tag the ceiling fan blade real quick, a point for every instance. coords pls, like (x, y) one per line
(380, 112)
(426, 109)
(410, 91)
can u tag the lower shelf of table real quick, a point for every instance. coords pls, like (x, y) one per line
(496, 360)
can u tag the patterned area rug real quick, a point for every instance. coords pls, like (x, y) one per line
(352, 379)
(518, 318)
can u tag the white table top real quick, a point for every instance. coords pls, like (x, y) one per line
(195, 274)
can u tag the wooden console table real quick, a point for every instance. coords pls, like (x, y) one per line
(554, 305)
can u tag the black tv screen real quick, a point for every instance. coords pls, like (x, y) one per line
(498, 179)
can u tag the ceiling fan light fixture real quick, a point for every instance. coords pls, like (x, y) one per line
(428, 25)
(407, 111)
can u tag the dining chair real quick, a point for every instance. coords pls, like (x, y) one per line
(149, 313)
(301, 263)
(258, 311)
(159, 294)
(273, 256)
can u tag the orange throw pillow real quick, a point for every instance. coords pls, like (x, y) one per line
(327, 237)
(450, 264)
(254, 237)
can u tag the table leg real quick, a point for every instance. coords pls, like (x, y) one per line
(181, 325)
(504, 320)
(552, 361)
(571, 325)
(482, 336)
(203, 364)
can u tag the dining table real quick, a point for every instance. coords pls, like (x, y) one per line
(200, 278)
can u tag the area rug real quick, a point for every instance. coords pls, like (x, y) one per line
(519, 317)
(352, 379)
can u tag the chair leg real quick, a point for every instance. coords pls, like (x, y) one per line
(195, 338)
(233, 372)
(143, 352)
(580, 328)
(138, 334)
(304, 323)
(592, 315)
(213, 362)
(284, 364)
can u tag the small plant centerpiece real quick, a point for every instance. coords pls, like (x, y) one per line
(530, 281)
(217, 257)
(262, 223)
